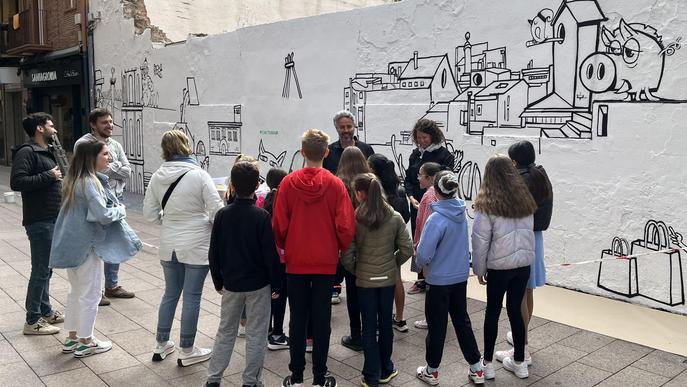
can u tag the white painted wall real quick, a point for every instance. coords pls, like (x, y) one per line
(605, 186)
(179, 18)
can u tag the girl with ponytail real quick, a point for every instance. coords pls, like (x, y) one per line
(523, 155)
(381, 245)
(444, 255)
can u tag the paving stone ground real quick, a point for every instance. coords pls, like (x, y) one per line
(563, 355)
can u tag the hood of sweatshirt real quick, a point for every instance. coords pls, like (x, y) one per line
(311, 183)
(451, 209)
(169, 171)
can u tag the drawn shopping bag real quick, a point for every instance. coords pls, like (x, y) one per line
(618, 276)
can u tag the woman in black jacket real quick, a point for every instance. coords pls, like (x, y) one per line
(385, 170)
(430, 147)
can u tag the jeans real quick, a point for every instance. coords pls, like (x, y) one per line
(440, 302)
(256, 304)
(189, 279)
(84, 295)
(500, 282)
(38, 291)
(111, 275)
(309, 298)
(376, 306)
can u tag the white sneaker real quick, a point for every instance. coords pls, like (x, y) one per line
(40, 327)
(242, 331)
(488, 368)
(520, 370)
(420, 324)
(429, 378)
(162, 350)
(94, 347)
(197, 355)
(509, 337)
(500, 355)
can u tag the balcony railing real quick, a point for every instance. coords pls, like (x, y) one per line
(28, 32)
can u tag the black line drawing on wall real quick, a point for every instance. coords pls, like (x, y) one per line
(665, 243)
(297, 161)
(132, 127)
(566, 98)
(149, 96)
(189, 97)
(269, 158)
(225, 136)
(157, 70)
(290, 67)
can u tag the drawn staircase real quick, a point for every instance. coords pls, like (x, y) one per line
(579, 127)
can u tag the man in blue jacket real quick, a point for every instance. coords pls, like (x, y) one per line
(35, 173)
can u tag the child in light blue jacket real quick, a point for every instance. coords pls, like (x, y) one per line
(444, 254)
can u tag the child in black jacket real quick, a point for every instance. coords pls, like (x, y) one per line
(244, 265)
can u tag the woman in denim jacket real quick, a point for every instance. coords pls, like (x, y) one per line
(90, 229)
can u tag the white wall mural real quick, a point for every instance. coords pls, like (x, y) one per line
(597, 85)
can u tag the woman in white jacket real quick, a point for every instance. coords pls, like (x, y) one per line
(186, 218)
(502, 252)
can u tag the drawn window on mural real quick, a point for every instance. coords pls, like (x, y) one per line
(360, 95)
(506, 108)
(561, 33)
(415, 83)
(479, 109)
(502, 85)
(443, 78)
(477, 79)
(422, 83)
(139, 138)
(347, 94)
(463, 117)
(403, 84)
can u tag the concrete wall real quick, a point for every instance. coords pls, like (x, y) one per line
(611, 139)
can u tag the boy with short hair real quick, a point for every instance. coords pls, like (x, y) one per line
(243, 264)
(313, 221)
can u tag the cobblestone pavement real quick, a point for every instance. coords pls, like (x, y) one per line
(563, 355)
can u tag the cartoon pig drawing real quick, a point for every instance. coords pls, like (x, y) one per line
(632, 64)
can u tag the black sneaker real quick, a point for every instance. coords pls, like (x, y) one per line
(329, 381)
(275, 343)
(214, 384)
(352, 343)
(288, 383)
(400, 326)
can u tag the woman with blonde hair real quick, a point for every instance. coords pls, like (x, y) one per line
(502, 252)
(90, 229)
(182, 198)
(352, 163)
(381, 245)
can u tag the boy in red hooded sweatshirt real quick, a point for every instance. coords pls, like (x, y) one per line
(313, 220)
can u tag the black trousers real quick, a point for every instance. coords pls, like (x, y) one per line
(511, 283)
(309, 299)
(353, 305)
(440, 302)
(279, 305)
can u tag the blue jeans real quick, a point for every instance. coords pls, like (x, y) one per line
(189, 279)
(111, 275)
(38, 292)
(376, 308)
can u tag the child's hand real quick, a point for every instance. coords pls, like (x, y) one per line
(482, 279)
(414, 202)
(275, 295)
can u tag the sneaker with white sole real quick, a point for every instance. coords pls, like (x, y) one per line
(477, 377)
(488, 368)
(420, 324)
(288, 383)
(242, 331)
(162, 350)
(275, 343)
(55, 318)
(69, 345)
(336, 299)
(308, 345)
(40, 327)
(509, 338)
(197, 355)
(93, 348)
(500, 355)
(400, 325)
(429, 378)
(520, 370)
(385, 379)
(329, 381)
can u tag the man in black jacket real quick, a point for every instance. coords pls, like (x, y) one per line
(344, 122)
(35, 173)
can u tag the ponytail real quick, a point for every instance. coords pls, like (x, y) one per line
(374, 209)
